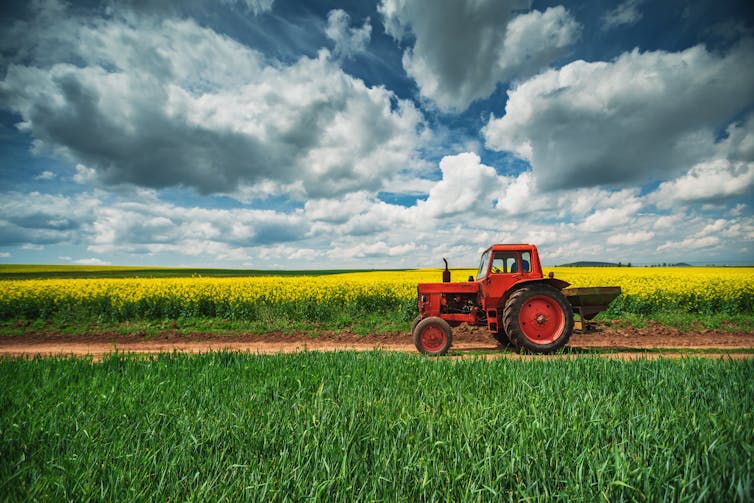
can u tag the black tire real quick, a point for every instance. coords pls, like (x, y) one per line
(414, 323)
(433, 336)
(538, 318)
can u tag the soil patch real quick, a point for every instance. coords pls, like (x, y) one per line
(608, 341)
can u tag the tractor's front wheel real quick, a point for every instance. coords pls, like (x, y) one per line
(538, 318)
(433, 336)
(414, 323)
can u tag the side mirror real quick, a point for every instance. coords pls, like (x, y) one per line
(471, 278)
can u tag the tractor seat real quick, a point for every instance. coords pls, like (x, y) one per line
(524, 264)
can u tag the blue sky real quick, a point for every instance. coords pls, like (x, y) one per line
(303, 135)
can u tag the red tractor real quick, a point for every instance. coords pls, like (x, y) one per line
(512, 298)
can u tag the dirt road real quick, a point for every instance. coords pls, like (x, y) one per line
(621, 342)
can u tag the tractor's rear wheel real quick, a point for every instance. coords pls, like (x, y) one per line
(538, 318)
(433, 336)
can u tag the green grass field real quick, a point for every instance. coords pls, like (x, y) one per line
(375, 427)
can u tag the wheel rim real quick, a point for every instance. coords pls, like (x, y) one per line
(542, 319)
(433, 338)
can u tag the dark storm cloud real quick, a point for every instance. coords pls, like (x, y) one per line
(39, 219)
(12, 234)
(271, 233)
(161, 104)
(152, 149)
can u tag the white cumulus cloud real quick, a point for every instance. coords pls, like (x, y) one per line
(707, 181)
(692, 243)
(627, 13)
(92, 261)
(631, 238)
(348, 41)
(642, 117)
(466, 185)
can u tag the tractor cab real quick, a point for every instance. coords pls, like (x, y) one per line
(504, 261)
(510, 259)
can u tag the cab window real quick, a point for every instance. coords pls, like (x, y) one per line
(526, 261)
(511, 262)
(503, 262)
(482, 272)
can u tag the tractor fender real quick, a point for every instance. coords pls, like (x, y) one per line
(558, 284)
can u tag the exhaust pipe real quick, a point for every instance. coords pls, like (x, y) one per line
(446, 272)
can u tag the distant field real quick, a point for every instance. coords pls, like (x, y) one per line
(22, 271)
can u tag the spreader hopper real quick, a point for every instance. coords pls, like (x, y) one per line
(589, 302)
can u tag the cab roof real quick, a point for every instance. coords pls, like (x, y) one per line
(511, 247)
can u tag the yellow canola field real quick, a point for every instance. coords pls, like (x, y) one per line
(697, 289)
(324, 288)
(690, 289)
(712, 281)
(645, 279)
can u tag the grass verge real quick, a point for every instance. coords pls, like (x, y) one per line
(364, 325)
(681, 320)
(154, 328)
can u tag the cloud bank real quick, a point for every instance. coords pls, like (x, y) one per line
(169, 103)
(368, 140)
